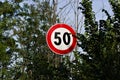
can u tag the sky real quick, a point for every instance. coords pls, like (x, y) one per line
(66, 10)
(98, 5)
(68, 16)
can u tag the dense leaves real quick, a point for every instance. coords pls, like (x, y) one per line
(24, 54)
(38, 62)
(100, 43)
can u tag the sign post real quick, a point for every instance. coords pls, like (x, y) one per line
(60, 39)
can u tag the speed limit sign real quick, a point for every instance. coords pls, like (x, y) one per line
(60, 39)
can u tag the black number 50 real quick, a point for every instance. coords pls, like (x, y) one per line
(66, 38)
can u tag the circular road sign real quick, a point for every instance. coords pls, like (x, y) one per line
(60, 38)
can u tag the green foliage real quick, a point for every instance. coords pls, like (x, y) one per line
(7, 43)
(38, 61)
(100, 43)
(27, 57)
(6, 8)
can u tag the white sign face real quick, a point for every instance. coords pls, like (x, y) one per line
(61, 38)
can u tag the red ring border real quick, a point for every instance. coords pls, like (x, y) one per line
(49, 43)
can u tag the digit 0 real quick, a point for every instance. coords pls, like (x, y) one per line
(66, 41)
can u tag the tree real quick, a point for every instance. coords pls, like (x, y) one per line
(38, 62)
(100, 43)
(23, 49)
(7, 43)
(24, 53)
